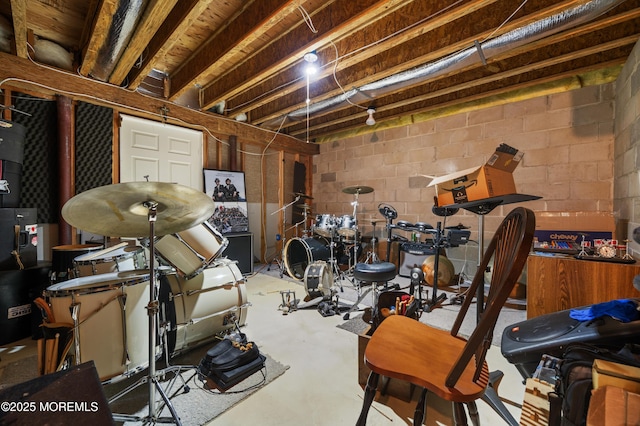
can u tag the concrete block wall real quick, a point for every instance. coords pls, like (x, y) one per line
(627, 147)
(567, 139)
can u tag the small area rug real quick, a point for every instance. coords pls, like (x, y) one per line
(198, 406)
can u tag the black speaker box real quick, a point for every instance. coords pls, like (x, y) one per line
(26, 239)
(240, 248)
(69, 397)
(524, 343)
(18, 289)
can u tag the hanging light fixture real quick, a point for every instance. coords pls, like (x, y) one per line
(311, 68)
(370, 120)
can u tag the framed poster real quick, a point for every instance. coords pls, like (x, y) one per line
(227, 189)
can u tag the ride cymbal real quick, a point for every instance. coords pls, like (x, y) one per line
(357, 190)
(120, 210)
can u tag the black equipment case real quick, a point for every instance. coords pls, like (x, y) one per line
(524, 343)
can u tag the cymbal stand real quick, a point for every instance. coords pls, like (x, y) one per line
(438, 243)
(372, 256)
(152, 311)
(337, 274)
(280, 261)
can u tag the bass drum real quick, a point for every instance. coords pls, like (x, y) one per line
(318, 280)
(113, 323)
(300, 252)
(202, 307)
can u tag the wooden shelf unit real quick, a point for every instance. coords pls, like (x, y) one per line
(558, 283)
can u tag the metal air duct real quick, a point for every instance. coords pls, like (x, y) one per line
(529, 33)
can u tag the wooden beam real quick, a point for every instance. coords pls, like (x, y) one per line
(99, 33)
(242, 31)
(289, 49)
(19, 15)
(46, 81)
(152, 17)
(354, 48)
(179, 20)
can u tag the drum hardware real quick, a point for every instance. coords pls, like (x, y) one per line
(280, 261)
(306, 209)
(124, 209)
(289, 301)
(372, 255)
(389, 213)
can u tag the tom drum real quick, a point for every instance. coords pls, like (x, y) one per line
(346, 226)
(112, 323)
(325, 225)
(111, 259)
(191, 251)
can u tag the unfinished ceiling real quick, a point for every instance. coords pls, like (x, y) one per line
(407, 59)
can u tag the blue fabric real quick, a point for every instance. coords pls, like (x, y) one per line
(624, 310)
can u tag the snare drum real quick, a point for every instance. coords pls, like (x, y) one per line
(112, 259)
(191, 251)
(346, 226)
(112, 320)
(202, 307)
(318, 279)
(325, 225)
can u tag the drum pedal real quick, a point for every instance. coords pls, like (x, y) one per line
(289, 304)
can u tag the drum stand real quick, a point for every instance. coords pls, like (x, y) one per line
(280, 261)
(152, 378)
(372, 256)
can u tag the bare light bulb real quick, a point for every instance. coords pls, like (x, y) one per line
(370, 120)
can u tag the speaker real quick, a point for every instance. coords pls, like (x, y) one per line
(240, 248)
(69, 397)
(524, 343)
(412, 255)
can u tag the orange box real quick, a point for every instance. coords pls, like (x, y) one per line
(493, 179)
(611, 406)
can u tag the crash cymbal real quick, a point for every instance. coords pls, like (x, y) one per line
(357, 190)
(119, 210)
(301, 195)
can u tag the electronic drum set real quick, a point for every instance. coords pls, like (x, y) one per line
(193, 295)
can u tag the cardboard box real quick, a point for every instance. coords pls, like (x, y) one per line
(612, 406)
(493, 179)
(608, 373)
(575, 221)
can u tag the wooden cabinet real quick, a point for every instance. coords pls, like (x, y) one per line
(558, 283)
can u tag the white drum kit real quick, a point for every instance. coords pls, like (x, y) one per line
(193, 296)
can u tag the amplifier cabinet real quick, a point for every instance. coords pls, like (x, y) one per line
(240, 248)
(412, 255)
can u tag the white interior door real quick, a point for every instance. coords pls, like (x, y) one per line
(160, 152)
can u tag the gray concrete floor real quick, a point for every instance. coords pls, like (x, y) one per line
(321, 385)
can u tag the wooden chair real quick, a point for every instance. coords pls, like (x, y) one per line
(443, 362)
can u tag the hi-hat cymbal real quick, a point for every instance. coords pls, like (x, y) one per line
(119, 210)
(357, 190)
(303, 206)
(301, 195)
